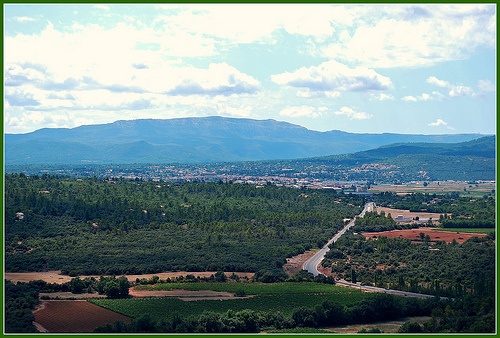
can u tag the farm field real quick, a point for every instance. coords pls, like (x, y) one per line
(441, 188)
(408, 214)
(55, 276)
(74, 316)
(435, 235)
(251, 288)
(286, 304)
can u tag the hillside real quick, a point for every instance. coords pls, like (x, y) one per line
(194, 140)
(471, 160)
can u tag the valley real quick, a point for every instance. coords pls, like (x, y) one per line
(227, 244)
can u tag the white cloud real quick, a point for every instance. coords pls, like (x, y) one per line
(439, 96)
(409, 98)
(423, 97)
(486, 86)
(413, 36)
(304, 111)
(333, 76)
(24, 19)
(29, 120)
(218, 79)
(353, 115)
(435, 81)
(460, 91)
(382, 97)
(308, 94)
(440, 123)
(454, 90)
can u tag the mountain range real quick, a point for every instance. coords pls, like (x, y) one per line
(191, 140)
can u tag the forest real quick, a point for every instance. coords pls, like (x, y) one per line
(103, 226)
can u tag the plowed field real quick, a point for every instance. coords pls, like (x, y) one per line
(74, 316)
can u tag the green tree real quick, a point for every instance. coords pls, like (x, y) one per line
(410, 327)
(76, 285)
(220, 276)
(112, 288)
(123, 286)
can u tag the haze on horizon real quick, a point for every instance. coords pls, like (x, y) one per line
(413, 69)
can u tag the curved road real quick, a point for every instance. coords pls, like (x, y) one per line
(312, 264)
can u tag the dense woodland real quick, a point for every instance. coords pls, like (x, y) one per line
(94, 226)
(442, 269)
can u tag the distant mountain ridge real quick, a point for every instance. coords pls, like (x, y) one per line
(191, 140)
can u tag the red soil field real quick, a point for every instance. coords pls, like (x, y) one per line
(435, 235)
(74, 316)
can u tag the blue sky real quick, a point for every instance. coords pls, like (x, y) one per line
(423, 69)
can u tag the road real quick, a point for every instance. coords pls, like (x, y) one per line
(312, 264)
(376, 289)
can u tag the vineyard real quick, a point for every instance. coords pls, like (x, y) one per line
(167, 308)
(252, 288)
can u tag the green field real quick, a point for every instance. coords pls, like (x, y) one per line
(470, 230)
(252, 288)
(282, 298)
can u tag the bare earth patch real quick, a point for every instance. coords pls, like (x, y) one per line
(185, 295)
(56, 277)
(294, 264)
(74, 316)
(409, 214)
(434, 235)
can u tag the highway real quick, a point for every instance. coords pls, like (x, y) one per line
(312, 264)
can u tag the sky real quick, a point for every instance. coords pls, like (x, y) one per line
(360, 68)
